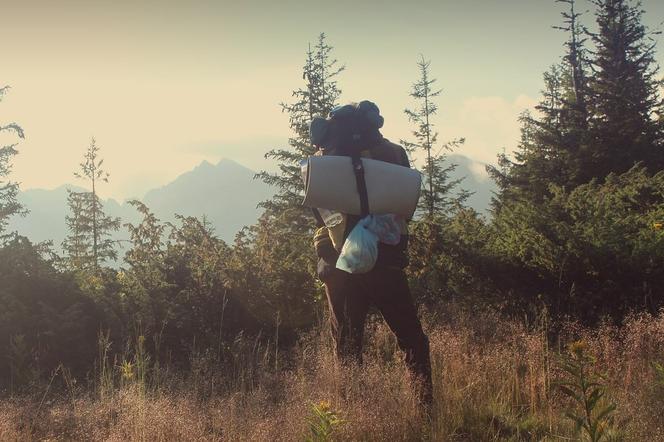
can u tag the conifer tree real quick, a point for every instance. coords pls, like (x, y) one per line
(575, 168)
(554, 146)
(575, 116)
(541, 157)
(146, 238)
(89, 242)
(624, 87)
(146, 277)
(317, 97)
(280, 242)
(437, 197)
(575, 58)
(9, 204)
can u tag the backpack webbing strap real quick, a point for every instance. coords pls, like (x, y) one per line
(358, 168)
(319, 219)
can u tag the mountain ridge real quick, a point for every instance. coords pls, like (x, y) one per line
(226, 193)
(228, 189)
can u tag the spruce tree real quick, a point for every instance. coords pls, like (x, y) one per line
(575, 59)
(541, 155)
(77, 246)
(624, 87)
(437, 197)
(316, 98)
(89, 242)
(277, 251)
(570, 200)
(574, 115)
(9, 204)
(554, 146)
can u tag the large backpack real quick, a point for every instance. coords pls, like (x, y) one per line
(353, 130)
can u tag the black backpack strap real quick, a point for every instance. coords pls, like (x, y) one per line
(358, 168)
(319, 219)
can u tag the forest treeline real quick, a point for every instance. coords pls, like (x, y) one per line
(576, 228)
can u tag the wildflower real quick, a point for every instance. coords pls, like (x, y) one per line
(324, 406)
(578, 347)
(127, 369)
(657, 226)
(322, 422)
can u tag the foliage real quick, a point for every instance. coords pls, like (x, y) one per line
(625, 91)
(20, 373)
(9, 205)
(444, 258)
(592, 416)
(659, 374)
(584, 249)
(437, 196)
(598, 115)
(272, 270)
(176, 289)
(318, 96)
(322, 422)
(45, 312)
(274, 263)
(89, 242)
(573, 221)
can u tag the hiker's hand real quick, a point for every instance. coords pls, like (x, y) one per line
(323, 245)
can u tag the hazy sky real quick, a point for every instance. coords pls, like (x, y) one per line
(165, 85)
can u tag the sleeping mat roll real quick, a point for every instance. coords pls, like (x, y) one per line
(330, 184)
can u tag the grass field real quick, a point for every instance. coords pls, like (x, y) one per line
(494, 379)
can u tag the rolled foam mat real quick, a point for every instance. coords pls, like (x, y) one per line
(330, 184)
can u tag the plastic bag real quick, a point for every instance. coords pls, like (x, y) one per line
(360, 251)
(386, 228)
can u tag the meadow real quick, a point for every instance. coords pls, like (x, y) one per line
(494, 379)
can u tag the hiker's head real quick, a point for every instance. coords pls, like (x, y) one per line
(348, 129)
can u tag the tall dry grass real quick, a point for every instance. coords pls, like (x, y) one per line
(494, 379)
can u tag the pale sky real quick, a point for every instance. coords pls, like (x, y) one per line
(165, 85)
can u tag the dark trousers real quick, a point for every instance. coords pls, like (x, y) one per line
(350, 297)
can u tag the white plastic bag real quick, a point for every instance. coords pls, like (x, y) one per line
(360, 251)
(386, 228)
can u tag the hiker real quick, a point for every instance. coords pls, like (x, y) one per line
(353, 130)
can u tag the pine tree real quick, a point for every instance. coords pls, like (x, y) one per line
(9, 204)
(624, 87)
(554, 146)
(318, 96)
(279, 244)
(569, 203)
(76, 246)
(541, 158)
(89, 242)
(574, 115)
(576, 59)
(437, 197)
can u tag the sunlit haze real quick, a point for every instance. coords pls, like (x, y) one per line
(165, 85)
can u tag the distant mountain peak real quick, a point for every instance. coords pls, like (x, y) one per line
(224, 164)
(227, 163)
(205, 164)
